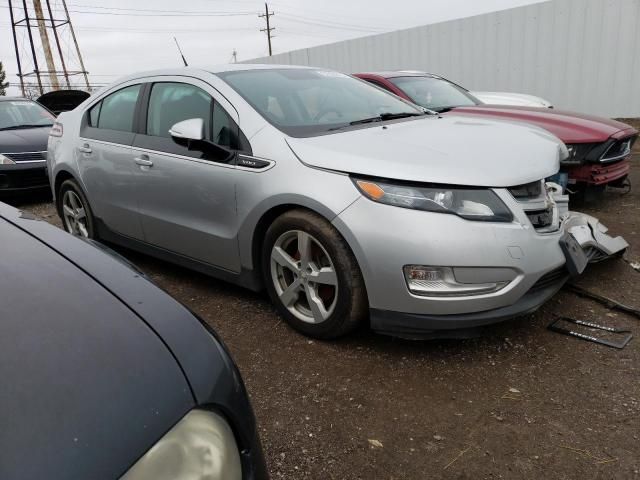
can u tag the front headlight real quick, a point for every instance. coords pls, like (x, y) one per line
(6, 161)
(200, 446)
(479, 204)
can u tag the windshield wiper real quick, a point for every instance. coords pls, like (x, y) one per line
(19, 127)
(386, 116)
(445, 109)
(381, 118)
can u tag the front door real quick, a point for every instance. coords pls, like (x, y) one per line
(187, 193)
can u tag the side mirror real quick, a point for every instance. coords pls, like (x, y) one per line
(192, 129)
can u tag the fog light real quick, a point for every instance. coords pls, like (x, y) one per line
(441, 282)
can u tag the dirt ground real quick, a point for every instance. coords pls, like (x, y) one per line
(520, 402)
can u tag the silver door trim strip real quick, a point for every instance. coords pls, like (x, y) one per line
(190, 159)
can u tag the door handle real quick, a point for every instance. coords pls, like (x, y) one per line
(143, 161)
(85, 148)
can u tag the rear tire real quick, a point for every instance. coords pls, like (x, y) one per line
(74, 210)
(312, 277)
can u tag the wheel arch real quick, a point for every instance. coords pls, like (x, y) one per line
(263, 224)
(60, 178)
(253, 232)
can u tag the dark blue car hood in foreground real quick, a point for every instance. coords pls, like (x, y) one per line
(96, 362)
(24, 140)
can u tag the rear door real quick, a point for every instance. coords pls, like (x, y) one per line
(187, 193)
(105, 160)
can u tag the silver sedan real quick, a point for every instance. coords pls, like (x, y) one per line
(345, 202)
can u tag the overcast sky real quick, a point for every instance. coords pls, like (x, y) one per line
(119, 37)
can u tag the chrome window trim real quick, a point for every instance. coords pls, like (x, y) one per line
(190, 159)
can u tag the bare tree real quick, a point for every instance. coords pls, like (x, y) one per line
(3, 84)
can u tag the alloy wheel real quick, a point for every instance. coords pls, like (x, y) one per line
(304, 276)
(74, 214)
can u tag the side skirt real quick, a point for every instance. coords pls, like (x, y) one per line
(246, 278)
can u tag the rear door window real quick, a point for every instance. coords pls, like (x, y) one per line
(118, 110)
(113, 118)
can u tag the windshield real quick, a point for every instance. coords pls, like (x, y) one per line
(307, 102)
(434, 93)
(15, 114)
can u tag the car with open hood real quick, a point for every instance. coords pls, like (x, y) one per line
(599, 148)
(104, 375)
(24, 132)
(348, 204)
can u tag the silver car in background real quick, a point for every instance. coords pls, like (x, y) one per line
(345, 202)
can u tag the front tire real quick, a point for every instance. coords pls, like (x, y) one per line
(74, 210)
(312, 277)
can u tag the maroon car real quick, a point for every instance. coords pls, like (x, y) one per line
(599, 148)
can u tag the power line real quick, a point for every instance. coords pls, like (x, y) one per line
(124, 9)
(157, 30)
(269, 29)
(329, 24)
(166, 13)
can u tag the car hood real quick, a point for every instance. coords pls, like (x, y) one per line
(570, 127)
(82, 374)
(449, 150)
(150, 357)
(508, 98)
(24, 140)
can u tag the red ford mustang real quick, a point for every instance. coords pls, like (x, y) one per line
(599, 148)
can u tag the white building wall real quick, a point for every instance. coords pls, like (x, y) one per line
(582, 55)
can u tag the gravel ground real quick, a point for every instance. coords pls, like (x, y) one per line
(520, 402)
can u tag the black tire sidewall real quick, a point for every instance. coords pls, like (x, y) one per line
(73, 186)
(345, 316)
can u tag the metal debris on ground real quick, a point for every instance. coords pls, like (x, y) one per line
(557, 326)
(608, 302)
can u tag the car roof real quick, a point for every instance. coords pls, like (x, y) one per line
(215, 69)
(401, 73)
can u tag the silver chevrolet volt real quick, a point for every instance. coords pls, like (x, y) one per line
(346, 203)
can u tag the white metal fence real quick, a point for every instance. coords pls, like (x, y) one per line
(582, 55)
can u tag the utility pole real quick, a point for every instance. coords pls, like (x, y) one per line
(46, 47)
(57, 38)
(234, 55)
(269, 29)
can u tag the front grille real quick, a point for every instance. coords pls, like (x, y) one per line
(578, 152)
(552, 278)
(18, 179)
(527, 190)
(26, 156)
(540, 218)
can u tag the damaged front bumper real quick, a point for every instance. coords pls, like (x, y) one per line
(592, 236)
(591, 244)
